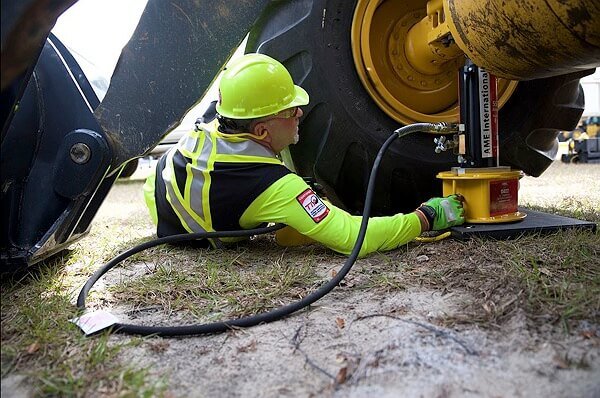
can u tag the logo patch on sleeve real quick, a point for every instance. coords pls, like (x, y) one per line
(314, 206)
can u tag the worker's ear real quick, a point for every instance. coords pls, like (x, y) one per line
(260, 130)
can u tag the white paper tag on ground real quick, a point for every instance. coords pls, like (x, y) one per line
(93, 322)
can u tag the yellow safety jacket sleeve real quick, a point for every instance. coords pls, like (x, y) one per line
(149, 196)
(287, 201)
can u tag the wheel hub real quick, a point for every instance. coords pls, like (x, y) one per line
(388, 38)
(442, 76)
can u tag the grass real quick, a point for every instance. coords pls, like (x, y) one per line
(40, 342)
(563, 279)
(209, 285)
(572, 207)
(551, 279)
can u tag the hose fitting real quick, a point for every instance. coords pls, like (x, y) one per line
(443, 128)
(437, 128)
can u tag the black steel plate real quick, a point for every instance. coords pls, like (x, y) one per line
(535, 222)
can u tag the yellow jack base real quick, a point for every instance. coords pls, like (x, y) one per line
(491, 194)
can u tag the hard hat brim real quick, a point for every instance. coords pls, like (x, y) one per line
(302, 97)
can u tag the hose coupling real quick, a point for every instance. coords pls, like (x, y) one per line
(444, 128)
(436, 128)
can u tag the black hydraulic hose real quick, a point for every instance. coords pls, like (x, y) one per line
(278, 313)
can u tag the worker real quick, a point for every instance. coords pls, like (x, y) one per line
(228, 175)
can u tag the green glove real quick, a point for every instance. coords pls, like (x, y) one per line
(443, 213)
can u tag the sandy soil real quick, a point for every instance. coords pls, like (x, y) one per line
(359, 344)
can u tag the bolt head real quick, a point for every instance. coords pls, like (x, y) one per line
(80, 153)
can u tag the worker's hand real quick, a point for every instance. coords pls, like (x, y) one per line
(443, 213)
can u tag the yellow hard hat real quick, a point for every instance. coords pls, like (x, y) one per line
(257, 85)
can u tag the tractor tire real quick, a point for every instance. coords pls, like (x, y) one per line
(343, 127)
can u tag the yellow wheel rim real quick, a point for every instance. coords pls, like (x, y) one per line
(378, 35)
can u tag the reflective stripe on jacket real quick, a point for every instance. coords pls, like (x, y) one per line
(208, 179)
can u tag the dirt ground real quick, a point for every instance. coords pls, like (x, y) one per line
(360, 342)
(387, 348)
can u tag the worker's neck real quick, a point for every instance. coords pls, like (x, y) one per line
(264, 143)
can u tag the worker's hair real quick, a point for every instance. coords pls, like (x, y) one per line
(233, 126)
(226, 125)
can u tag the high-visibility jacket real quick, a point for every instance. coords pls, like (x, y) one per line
(215, 181)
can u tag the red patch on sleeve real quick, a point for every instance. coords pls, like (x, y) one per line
(313, 205)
